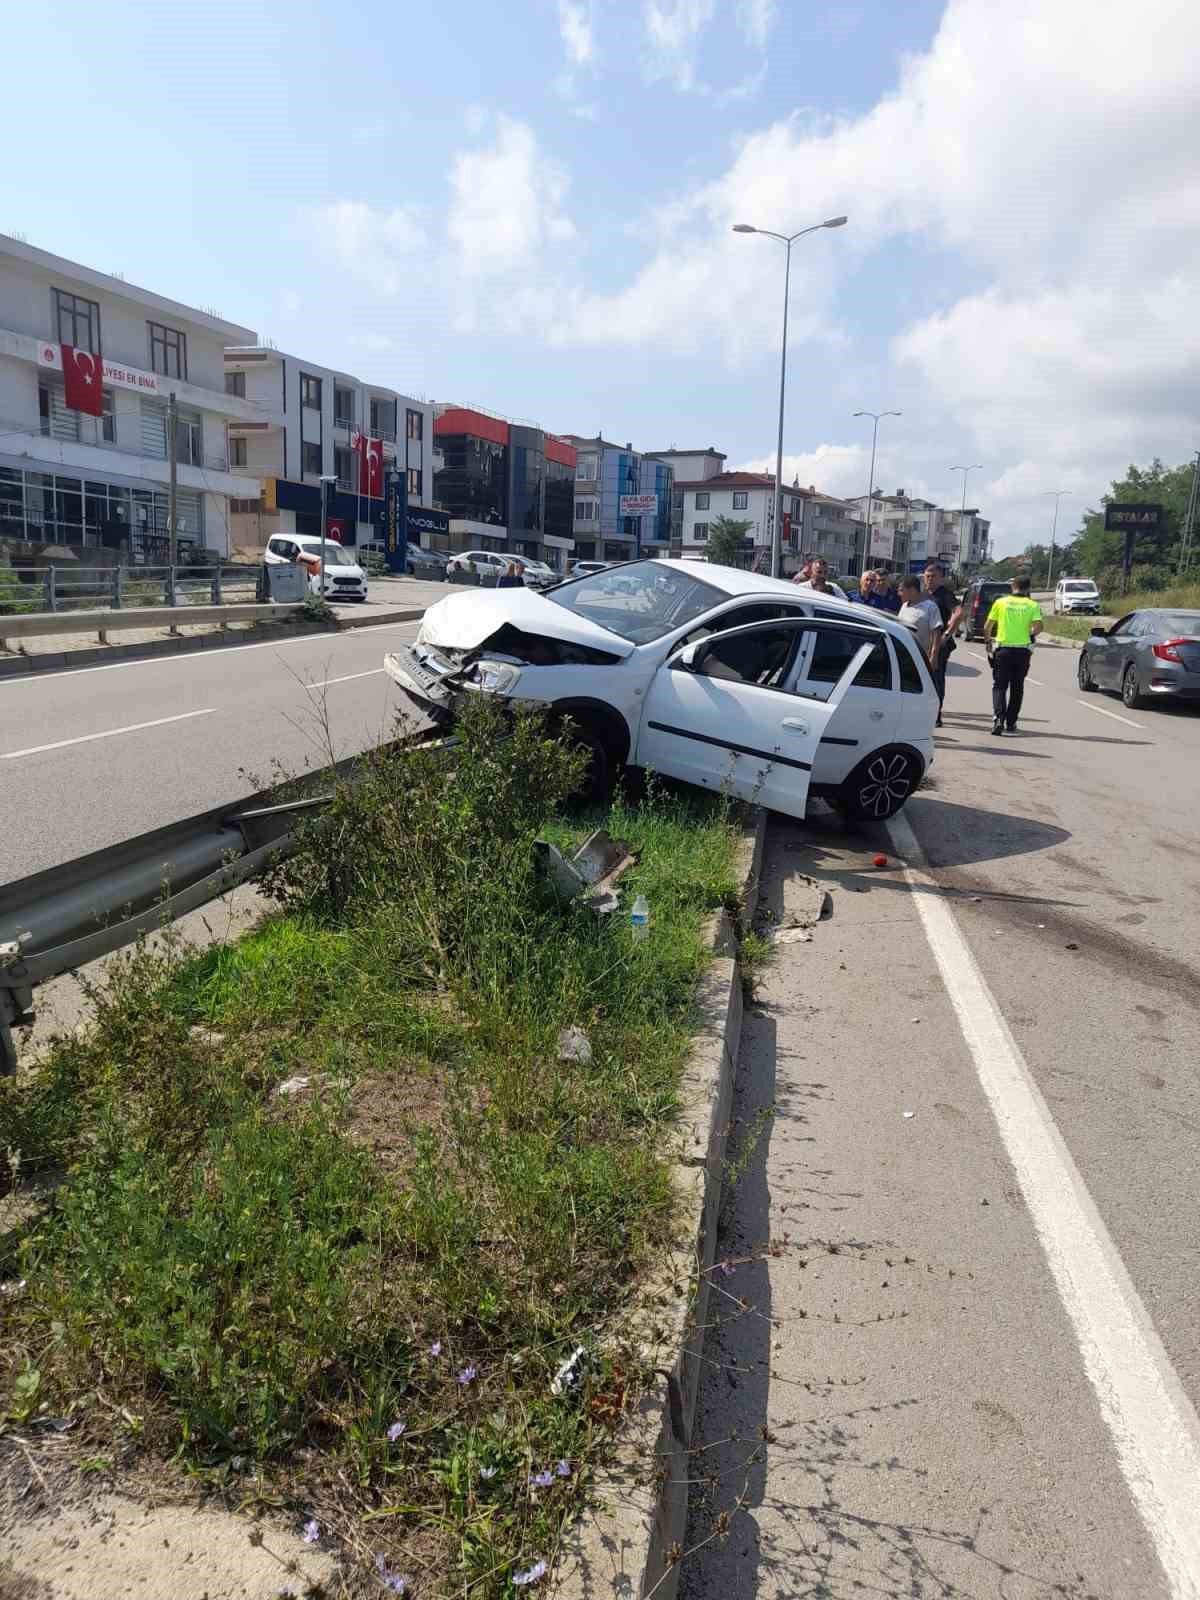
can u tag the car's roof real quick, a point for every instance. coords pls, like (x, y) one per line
(735, 583)
(1166, 611)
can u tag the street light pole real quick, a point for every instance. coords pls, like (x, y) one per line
(787, 240)
(976, 466)
(1057, 494)
(871, 486)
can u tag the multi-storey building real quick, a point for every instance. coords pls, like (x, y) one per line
(622, 500)
(889, 519)
(688, 466)
(827, 527)
(307, 417)
(99, 482)
(504, 485)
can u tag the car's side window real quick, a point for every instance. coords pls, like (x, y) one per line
(1123, 625)
(831, 655)
(740, 617)
(910, 674)
(762, 657)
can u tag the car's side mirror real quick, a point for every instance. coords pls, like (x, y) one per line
(1099, 633)
(688, 658)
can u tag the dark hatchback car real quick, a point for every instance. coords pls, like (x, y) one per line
(1147, 655)
(981, 595)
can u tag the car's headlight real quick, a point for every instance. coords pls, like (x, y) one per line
(497, 677)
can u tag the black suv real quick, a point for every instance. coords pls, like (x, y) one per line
(981, 595)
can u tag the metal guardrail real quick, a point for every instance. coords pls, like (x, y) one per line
(56, 587)
(35, 624)
(58, 920)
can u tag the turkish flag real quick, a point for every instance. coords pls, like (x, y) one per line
(84, 380)
(358, 445)
(335, 529)
(374, 468)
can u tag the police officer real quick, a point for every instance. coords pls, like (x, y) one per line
(1014, 622)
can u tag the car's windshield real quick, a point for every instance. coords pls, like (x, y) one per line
(1080, 588)
(333, 551)
(640, 601)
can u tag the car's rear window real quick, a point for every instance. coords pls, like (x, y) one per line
(1182, 624)
(639, 601)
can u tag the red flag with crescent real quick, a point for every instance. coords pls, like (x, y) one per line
(83, 378)
(358, 446)
(374, 465)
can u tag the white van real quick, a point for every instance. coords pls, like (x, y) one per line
(1076, 595)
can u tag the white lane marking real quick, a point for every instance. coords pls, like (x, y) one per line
(375, 672)
(109, 733)
(1152, 1421)
(1116, 716)
(201, 655)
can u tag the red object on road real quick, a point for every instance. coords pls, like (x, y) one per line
(83, 380)
(880, 861)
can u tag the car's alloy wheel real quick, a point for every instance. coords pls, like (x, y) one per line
(1130, 693)
(879, 786)
(1086, 682)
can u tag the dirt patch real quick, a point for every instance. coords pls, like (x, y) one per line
(387, 1110)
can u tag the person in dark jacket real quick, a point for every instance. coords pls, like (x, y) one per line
(510, 578)
(947, 602)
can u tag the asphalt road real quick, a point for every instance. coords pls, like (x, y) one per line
(95, 755)
(968, 1113)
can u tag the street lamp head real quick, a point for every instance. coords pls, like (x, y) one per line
(835, 222)
(743, 227)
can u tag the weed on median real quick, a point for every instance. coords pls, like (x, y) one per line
(334, 1214)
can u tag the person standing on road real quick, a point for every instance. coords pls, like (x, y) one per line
(937, 590)
(814, 575)
(1014, 622)
(921, 614)
(510, 578)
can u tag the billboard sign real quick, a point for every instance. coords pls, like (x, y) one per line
(639, 505)
(395, 520)
(883, 540)
(1133, 518)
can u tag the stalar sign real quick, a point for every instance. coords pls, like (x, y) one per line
(1135, 516)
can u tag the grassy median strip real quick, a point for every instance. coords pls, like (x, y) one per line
(333, 1212)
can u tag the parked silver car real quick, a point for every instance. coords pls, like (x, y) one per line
(1147, 655)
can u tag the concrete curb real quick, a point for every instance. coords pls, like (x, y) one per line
(627, 1544)
(21, 666)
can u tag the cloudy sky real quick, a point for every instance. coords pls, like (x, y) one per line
(528, 206)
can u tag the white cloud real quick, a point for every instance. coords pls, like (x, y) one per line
(673, 29)
(369, 243)
(575, 26)
(290, 303)
(506, 205)
(756, 18)
(373, 341)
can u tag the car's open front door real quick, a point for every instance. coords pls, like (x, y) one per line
(719, 714)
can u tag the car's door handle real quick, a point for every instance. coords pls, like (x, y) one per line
(876, 716)
(794, 725)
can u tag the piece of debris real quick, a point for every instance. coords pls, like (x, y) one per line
(574, 1045)
(590, 874)
(292, 1086)
(792, 936)
(909, 1115)
(203, 1035)
(879, 860)
(570, 1374)
(1070, 945)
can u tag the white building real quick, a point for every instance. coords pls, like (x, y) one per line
(305, 417)
(828, 527)
(687, 466)
(739, 497)
(68, 478)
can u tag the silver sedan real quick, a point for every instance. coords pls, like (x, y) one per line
(1146, 655)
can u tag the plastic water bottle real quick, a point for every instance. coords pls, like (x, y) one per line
(639, 917)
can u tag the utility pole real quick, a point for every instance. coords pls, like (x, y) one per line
(876, 415)
(172, 479)
(1189, 521)
(1056, 495)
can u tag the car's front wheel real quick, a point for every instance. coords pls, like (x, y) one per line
(879, 785)
(1086, 682)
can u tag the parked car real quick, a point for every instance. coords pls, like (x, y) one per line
(418, 562)
(1147, 655)
(344, 577)
(1072, 595)
(718, 677)
(582, 569)
(491, 563)
(980, 597)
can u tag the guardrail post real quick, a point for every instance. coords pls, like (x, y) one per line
(51, 596)
(216, 585)
(117, 587)
(173, 630)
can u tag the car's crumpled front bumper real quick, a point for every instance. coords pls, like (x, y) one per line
(429, 677)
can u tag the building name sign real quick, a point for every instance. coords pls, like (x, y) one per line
(1133, 517)
(639, 505)
(883, 540)
(121, 377)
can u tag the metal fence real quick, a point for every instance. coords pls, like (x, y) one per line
(61, 588)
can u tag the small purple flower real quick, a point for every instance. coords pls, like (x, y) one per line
(390, 1580)
(563, 1469)
(396, 1429)
(435, 1349)
(468, 1375)
(727, 1268)
(312, 1531)
(488, 1473)
(536, 1571)
(542, 1480)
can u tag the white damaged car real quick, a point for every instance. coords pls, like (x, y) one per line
(708, 674)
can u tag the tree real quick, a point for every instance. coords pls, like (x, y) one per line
(725, 537)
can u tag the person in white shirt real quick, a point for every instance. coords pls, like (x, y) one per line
(814, 575)
(922, 616)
